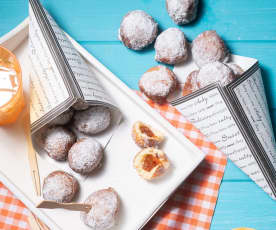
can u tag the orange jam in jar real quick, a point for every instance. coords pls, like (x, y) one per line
(11, 90)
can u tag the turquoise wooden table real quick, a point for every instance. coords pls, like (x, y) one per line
(249, 28)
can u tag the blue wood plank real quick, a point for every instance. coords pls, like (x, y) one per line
(99, 20)
(12, 12)
(243, 204)
(233, 173)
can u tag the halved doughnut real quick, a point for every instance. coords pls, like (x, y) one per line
(151, 163)
(146, 136)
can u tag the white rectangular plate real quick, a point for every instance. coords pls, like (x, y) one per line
(139, 199)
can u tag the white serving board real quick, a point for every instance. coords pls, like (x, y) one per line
(139, 199)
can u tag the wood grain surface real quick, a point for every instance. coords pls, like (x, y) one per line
(249, 28)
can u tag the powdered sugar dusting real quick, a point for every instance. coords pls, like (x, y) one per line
(57, 142)
(138, 29)
(85, 155)
(58, 187)
(208, 47)
(171, 46)
(182, 11)
(93, 120)
(157, 82)
(214, 72)
(105, 205)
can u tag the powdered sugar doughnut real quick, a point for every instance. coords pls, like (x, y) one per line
(214, 72)
(57, 141)
(137, 30)
(182, 11)
(63, 118)
(85, 155)
(171, 46)
(191, 83)
(157, 83)
(209, 47)
(104, 211)
(93, 120)
(80, 105)
(238, 71)
(60, 186)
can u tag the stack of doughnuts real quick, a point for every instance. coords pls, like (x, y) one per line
(60, 140)
(138, 30)
(209, 52)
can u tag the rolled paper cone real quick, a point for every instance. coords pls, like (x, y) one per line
(236, 119)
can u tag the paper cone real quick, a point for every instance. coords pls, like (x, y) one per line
(60, 75)
(60, 79)
(236, 119)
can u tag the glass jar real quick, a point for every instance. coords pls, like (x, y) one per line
(11, 89)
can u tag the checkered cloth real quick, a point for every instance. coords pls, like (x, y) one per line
(191, 207)
(13, 213)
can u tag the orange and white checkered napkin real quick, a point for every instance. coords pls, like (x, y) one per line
(191, 206)
(13, 213)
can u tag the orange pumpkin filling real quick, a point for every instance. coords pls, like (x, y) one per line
(149, 162)
(147, 131)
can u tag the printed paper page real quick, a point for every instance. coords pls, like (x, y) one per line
(60, 75)
(251, 96)
(48, 90)
(89, 86)
(210, 114)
